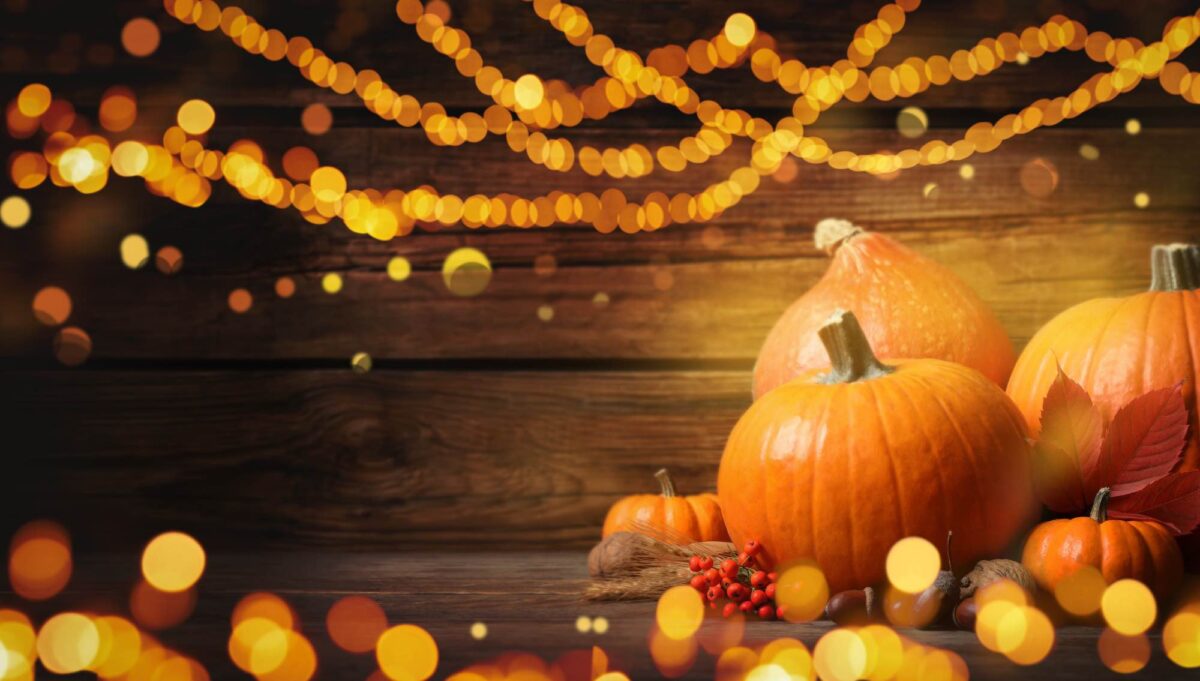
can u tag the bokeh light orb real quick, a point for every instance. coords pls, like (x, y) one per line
(1128, 607)
(140, 37)
(1123, 654)
(39, 560)
(72, 346)
(407, 652)
(802, 590)
(355, 623)
(840, 655)
(173, 562)
(912, 121)
(680, 612)
(467, 272)
(1181, 639)
(15, 212)
(1079, 593)
(912, 564)
(398, 268)
(135, 251)
(196, 116)
(68, 643)
(51, 306)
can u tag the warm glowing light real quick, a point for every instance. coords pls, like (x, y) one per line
(33, 100)
(39, 560)
(316, 119)
(130, 158)
(285, 287)
(466, 272)
(1039, 178)
(840, 656)
(68, 643)
(18, 643)
(1141, 199)
(52, 306)
(930, 190)
(1181, 639)
(1089, 152)
(1123, 654)
(583, 624)
(407, 652)
(299, 662)
(912, 121)
(600, 625)
(157, 610)
(173, 562)
(299, 163)
(545, 312)
(528, 91)
(912, 564)
(15, 212)
(118, 109)
(140, 37)
(1133, 126)
(120, 646)
(135, 251)
(672, 656)
(72, 346)
(267, 606)
(479, 631)
(258, 645)
(328, 183)
(196, 116)
(1128, 607)
(680, 612)
(904, 609)
(76, 165)
(1079, 593)
(803, 591)
(240, 300)
(331, 283)
(398, 268)
(966, 171)
(739, 29)
(361, 363)
(168, 260)
(885, 652)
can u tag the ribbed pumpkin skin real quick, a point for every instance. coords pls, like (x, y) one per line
(696, 517)
(1119, 549)
(838, 473)
(1117, 349)
(908, 305)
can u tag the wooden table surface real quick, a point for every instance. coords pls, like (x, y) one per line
(528, 600)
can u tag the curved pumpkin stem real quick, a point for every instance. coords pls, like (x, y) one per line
(664, 479)
(1175, 267)
(831, 232)
(850, 352)
(949, 547)
(1100, 505)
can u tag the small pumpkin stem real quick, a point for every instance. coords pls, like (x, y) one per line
(831, 232)
(949, 546)
(1100, 505)
(664, 479)
(1175, 267)
(850, 353)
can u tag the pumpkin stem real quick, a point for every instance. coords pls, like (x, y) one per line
(831, 232)
(664, 479)
(1175, 267)
(1100, 505)
(849, 351)
(949, 546)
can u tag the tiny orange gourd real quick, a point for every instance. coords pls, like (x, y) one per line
(675, 518)
(909, 306)
(838, 466)
(1120, 348)
(1139, 549)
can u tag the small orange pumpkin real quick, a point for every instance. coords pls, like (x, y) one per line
(909, 306)
(1139, 549)
(1120, 348)
(839, 466)
(692, 518)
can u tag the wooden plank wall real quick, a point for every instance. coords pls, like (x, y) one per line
(482, 424)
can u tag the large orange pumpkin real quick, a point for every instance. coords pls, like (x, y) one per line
(838, 466)
(908, 305)
(693, 518)
(1120, 348)
(1139, 549)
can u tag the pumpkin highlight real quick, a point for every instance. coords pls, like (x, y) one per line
(673, 518)
(1138, 549)
(908, 305)
(838, 466)
(1120, 348)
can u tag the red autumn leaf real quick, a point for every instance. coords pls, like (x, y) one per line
(1068, 448)
(1173, 500)
(1144, 442)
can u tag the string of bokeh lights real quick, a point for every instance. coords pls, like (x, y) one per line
(181, 167)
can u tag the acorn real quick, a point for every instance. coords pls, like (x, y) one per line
(964, 614)
(855, 607)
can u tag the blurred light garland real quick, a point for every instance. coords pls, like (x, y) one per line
(181, 167)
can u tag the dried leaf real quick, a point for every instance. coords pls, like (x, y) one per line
(1173, 500)
(1068, 450)
(1144, 442)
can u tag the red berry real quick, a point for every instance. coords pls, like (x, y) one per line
(746, 606)
(758, 579)
(714, 593)
(699, 583)
(767, 612)
(744, 558)
(758, 597)
(706, 562)
(780, 610)
(770, 590)
(712, 604)
(752, 547)
(712, 576)
(736, 591)
(772, 576)
(729, 609)
(694, 563)
(729, 565)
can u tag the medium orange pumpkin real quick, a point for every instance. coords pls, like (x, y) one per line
(1120, 348)
(1139, 549)
(908, 305)
(839, 466)
(693, 518)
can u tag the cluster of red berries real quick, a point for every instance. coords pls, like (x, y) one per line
(737, 585)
